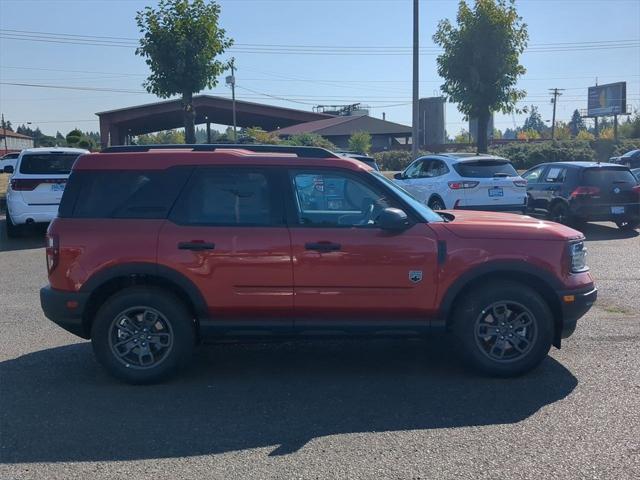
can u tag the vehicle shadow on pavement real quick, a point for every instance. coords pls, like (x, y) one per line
(598, 232)
(33, 238)
(58, 405)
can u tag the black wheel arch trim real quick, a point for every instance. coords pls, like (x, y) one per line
(136, 269)
(495, 268)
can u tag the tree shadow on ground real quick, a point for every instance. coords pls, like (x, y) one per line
(59, 405)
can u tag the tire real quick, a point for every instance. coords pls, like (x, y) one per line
(13, 231)
(146, 356)
(628, 225)
(523, 347)
(436, 204)
(559, 213)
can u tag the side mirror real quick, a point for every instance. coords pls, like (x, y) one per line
(8, 169)
(393, 219)
(398, 176)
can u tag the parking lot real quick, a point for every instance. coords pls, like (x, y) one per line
(334, 409)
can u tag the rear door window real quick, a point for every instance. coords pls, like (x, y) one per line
(48, 163)
(485, 169)
(555, 175)
(226, 196)
(602, 177)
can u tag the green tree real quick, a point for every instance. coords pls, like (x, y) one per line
(576, 123)
(165, 137)
(360, 142)
(259, 136)
(534, 121)
(73, 137)
(309, 140)
(180, 43)
(462, 137)
(630, 128)
(481, 60)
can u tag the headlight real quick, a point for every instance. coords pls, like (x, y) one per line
(578, 257)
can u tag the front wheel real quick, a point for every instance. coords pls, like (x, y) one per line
(628, 224)
(143, 335)
(436, 204)
(504, 328)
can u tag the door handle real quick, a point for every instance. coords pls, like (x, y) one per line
(196, 245)
(322, 246)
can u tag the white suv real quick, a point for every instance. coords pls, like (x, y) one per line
(36, 185)
(465, 181)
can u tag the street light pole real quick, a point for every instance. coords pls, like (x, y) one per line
(233, 97)
(416, 63)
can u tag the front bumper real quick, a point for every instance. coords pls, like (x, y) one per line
(575, 303)
(65, 309)
(519, 207)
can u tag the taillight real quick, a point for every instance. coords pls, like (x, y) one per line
(28, 184)
(22, 184)
(52, 251)
(585, 192)
(636, 189)
(520, 183)
(460, 185)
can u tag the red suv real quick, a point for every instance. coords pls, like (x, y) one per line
(156, 248)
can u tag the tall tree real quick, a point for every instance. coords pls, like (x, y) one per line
(534, 121)
(181, 41)
(577, 123)
(481, 60)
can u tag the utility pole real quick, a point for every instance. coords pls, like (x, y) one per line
(4, 132)
(233, 97)
(556, 93)
(416, 64)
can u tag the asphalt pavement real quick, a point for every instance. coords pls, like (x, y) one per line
(323, 410)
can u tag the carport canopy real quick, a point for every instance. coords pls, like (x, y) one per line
(116, 125)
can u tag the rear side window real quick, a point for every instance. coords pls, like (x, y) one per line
(48, 163)
(556, 175)
(223, 196)
(485, 169)
(602, 177)
(122, 194)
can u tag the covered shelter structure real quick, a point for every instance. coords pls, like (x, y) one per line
(384, 135)
(117, 125)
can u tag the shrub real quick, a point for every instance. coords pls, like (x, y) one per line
(360, 142)
(309, 140)
(395, 159)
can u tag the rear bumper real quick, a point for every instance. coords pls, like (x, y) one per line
(24, 213)
(602, 213)
(65, 309)
(575, 303)
(520, 207)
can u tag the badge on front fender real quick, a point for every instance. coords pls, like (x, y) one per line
(415, 276)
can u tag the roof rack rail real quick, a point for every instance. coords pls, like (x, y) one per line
(309, 152)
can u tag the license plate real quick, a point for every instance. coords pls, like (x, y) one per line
(57, 187)
(496, 192)
(617, 210)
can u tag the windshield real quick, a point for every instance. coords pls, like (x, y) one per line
(425, 212)
(485, 169)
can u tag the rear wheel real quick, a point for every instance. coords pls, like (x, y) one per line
(559, 213)
(504, 328)
(13, 231)
(143, 335)
(628, 224)
(436, 204)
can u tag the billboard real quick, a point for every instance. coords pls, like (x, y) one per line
(610, 99)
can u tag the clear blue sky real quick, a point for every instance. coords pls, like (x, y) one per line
(378, 80)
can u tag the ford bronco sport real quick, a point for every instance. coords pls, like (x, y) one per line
(156, 248)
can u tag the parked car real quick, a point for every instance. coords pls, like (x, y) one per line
(630, 159)
(8, 160)
(584, 191)
(466, 182)
(155, 249)
(37, 182)
(362, 157)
